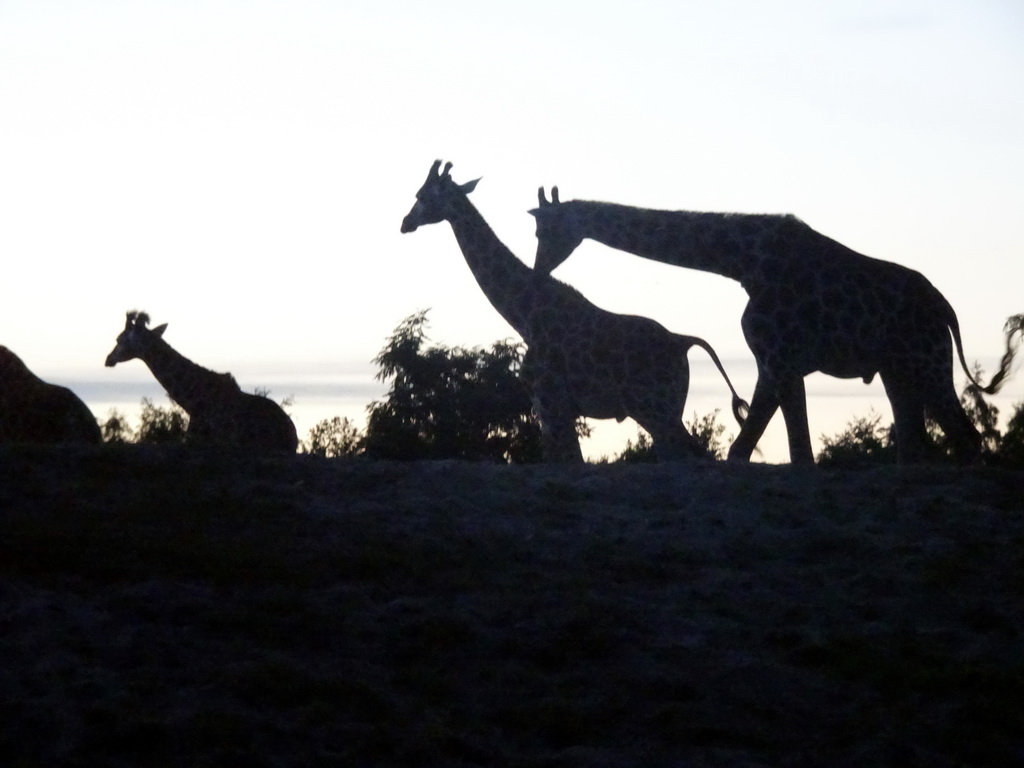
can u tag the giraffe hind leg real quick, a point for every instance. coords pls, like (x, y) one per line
(908, 416)
(944, 407)
(672, 441)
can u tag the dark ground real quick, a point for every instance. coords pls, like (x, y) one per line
(162, 607)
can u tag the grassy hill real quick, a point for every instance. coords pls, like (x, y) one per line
(160, 606)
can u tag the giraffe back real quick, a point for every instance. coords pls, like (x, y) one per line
(243, 420)
(34, 411)
(220, 413)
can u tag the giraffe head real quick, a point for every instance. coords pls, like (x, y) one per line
(434, 198)
(557, 238)
(135, 339)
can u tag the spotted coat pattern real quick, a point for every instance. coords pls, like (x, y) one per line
(581, 360)
(35, 411)
(815, 305)
(219, 411)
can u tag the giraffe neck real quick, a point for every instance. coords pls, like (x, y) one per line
(730, 244)
(504, 279)
(186, 383)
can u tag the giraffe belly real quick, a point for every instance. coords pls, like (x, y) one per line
(843, 358)
(850, 371)
(599, 405)
(801, 354)
(641, 389)
(808, 338)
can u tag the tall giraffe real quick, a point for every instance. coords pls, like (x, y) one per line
(219, 411)
(35, 411)
(580, 359)
(815, 305)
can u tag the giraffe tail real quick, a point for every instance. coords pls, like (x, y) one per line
(1013, 326)
(740, 407)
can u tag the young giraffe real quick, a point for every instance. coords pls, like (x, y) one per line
(219, 411)
(580, 360)
(34, 411)
(815, 305)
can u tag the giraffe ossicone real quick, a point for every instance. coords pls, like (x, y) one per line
(815, 305)
(581, 360)
(219, 412)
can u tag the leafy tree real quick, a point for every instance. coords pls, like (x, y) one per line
(451, 402)
(709, 431)
(864, 442)
(335, 437)
(1011, 449)
(161, 425)
(116, 428)
(640, 452)
(156, 425)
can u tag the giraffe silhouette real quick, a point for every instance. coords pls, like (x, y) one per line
(35, 411)
(815, 305)
(219, 412)
(581, 360)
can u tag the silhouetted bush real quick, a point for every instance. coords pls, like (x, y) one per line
(1011, 449)
(451, 402)
(116, 428)
(336, 437)
(864, 442)
(709, 432)
(156, 425)
(640, 452)
(161, 425)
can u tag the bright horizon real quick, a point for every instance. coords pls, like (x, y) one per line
(315, 393)
(240, 170)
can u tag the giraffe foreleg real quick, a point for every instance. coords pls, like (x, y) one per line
(559, 442)
(553, 406)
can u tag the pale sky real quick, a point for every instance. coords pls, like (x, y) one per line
(240, 169)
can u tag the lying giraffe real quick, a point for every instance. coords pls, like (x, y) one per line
(815, 305)
(219, 411)
(34, 411)
(580, 359)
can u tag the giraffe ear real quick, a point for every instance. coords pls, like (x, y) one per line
(469, 186)
(159, 330)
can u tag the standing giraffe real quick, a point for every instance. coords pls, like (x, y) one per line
(34, 411)
(219, 411)
(815, 305)
(580, 359)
